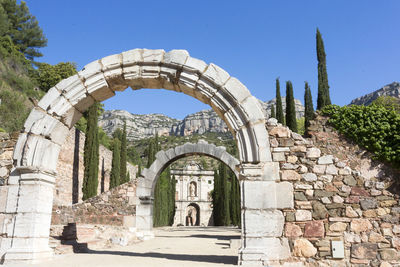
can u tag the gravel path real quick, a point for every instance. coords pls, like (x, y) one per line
(184, 246)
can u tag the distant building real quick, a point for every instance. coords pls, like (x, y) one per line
(193, 199)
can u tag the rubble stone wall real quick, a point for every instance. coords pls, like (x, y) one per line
(341, 207)
(114, 207)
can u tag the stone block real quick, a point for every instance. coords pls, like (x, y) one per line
(284, 197)
(313, 153)
(129, 221)
(36, 198)
(263, 223)
(364, 251)
(3, 198)
(303, 215)
(73, 89)
(309, 177)
(360, 225)
(113, 72)
(290, 175)
(269, 248)
(304, 248)
(259, 194)
(368, 203)
(314, 229)
(32, 225)
(278, 156)
(325, 160)
(270, 171)
(338, 227)
(293, 230)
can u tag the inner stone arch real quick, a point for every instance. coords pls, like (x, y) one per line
(31, 182)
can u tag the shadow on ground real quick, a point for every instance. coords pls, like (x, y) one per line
(178, 257)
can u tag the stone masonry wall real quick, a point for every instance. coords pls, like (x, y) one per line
(115, 207)
(68, 188)
(70, 170)
(337, 209)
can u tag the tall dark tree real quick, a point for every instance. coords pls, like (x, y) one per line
(116, 164)
(123, 177)
(23, 28)
(151, 152)
(91, 154)
(323, 86)
(279, 108)
(225, 194)
(273, 114)
(235, 200)
(291, 121)
(217, 200)
(309, 107)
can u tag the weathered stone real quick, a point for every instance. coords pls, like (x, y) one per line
(325, 160)
(319, 211)
(364, 251)
(290, 175)
(380, 185)
(357, 191)
(286, 142)
(385, 264)
(360, 225)
(303, 215)
(349, 180)
(278, 156)
(313, 153)
(303, 248)
(323, 193)
(331, 169)
(314, 229)
(345, 171)
(352, 199)
(292, 159)
(3, 172)
(280, 131)
(338, 227)
(377, 238)
(299, 196)
(368, 203)
(369, 213)
(309, 177)
(390, 254)
(292, 230)
(319, 169)
(395, 242)
(396, 229)
(337, 199)
(289, 166)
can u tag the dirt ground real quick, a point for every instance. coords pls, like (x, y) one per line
(185, 246)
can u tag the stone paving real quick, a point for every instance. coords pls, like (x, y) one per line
(183, 246)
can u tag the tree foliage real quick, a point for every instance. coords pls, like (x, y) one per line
(116, 164)
(273, 113)
(123, 176)
(290, 108)
(374, 127)
(48, 75)
(22, 27)
(323, 86)
(308, 107)
(91, 154)
(388, 102)
(12, 101)
(164, 199)
(279, 108)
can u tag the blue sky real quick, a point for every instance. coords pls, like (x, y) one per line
(255, 41)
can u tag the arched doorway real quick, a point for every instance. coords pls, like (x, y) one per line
(192, 215)
(30, 188)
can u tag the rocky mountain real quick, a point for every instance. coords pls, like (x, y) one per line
(392, 89)
(144, 126)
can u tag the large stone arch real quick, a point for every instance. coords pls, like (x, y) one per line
(165, 158)
(30, 185)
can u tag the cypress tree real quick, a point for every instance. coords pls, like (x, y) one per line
(309, 108)
(235, 200)
(273, 114)
(123, 176)
(291, 121)
(279, 109)
(151, 153)
(91, 154)
(323, 86)
(225, 194)
(116, 164)
(216, 199)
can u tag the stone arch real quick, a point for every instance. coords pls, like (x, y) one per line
(31, 183)
(165, 158)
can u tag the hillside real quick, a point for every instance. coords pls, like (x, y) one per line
(145, 126)
(392, 89)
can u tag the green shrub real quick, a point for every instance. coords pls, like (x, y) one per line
(13, 110)
(374, 127)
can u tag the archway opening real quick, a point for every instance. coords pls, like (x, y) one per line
(193, 215)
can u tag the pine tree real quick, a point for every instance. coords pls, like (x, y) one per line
(23, 28)
(323, 86)
(279, 109)
(273, 114)
(123, 178)
(116, 164)
(291, 121)
(91, 154)
(309, 108)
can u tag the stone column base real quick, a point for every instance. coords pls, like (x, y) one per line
(145, 235)
(27, 255)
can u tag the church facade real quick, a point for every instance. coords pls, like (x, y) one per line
(193, 199)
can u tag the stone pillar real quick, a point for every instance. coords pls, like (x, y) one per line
(262, 197)
(30, 198)
(144, 208)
